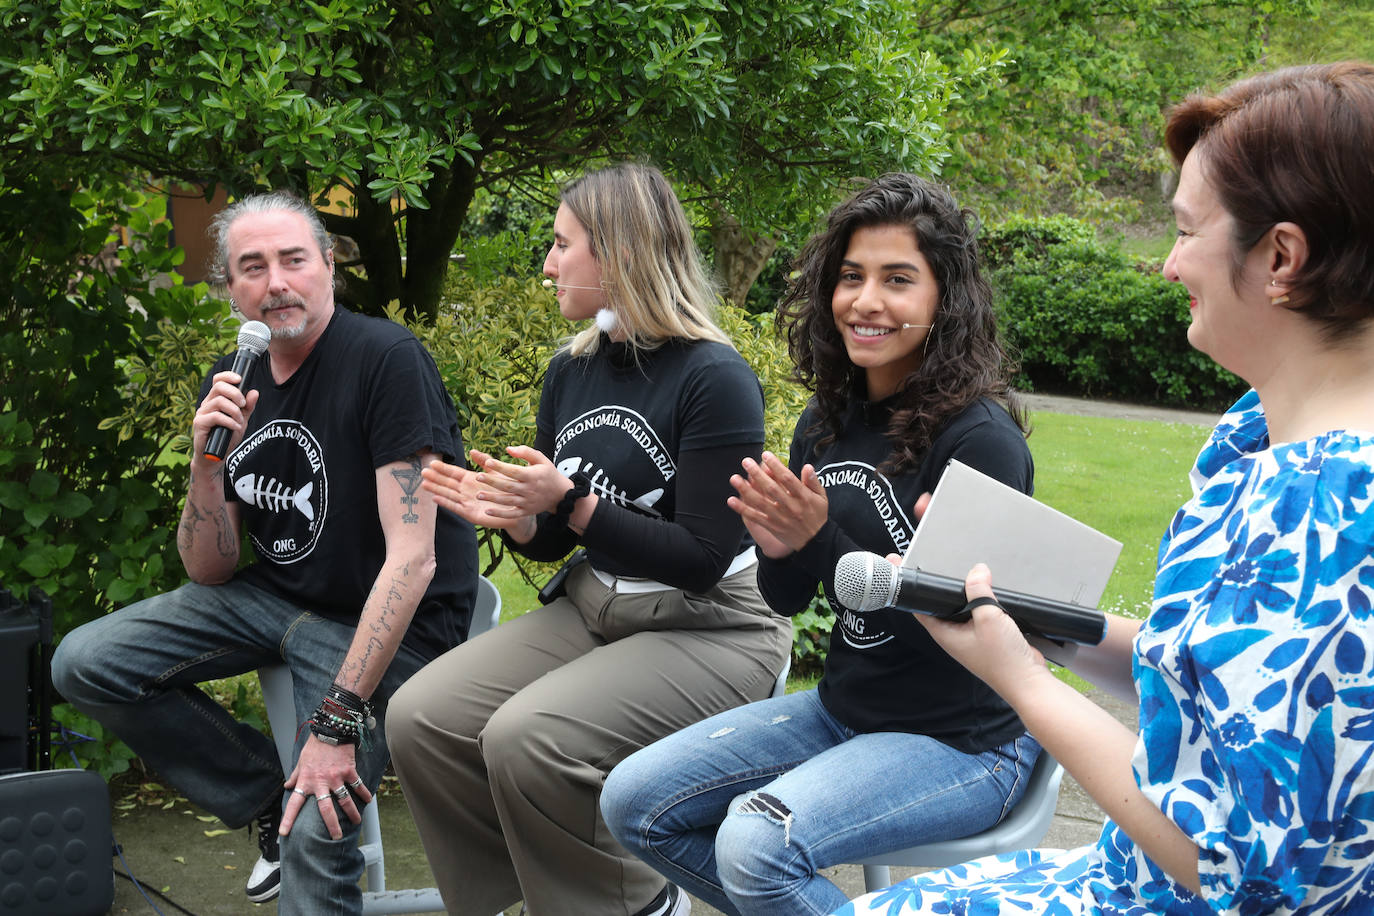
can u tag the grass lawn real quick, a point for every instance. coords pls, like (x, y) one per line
(1126, 478)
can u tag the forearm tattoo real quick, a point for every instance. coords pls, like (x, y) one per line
(194, 515)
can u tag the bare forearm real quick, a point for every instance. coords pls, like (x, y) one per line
(385, 618)
(1108, 665)
(207, 537)
(1096, 749)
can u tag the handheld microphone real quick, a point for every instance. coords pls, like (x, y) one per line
(253, 339)
(549, 284)
(866, 582)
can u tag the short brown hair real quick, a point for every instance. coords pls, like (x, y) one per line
(1295, 145)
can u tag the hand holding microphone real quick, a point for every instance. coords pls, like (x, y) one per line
(867, 582)
(253, 339)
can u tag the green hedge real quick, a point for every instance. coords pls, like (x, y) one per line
(89, 492)
(1085, 319)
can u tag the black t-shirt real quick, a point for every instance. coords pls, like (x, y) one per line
(658, 432)
(304, 475)
(883, 671)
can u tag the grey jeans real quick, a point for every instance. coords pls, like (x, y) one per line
(503, 744)
(136, 670)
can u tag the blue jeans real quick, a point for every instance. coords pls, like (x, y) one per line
(135, 671)
(744, 809)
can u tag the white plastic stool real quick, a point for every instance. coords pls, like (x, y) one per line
(780, 685)
(1023, 828)
(277, 696)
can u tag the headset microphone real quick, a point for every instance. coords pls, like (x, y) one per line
(905, 326)
(549, 284)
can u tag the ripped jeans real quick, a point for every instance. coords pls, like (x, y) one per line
(744, 809)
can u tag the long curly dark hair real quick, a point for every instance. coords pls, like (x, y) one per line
(964, 359)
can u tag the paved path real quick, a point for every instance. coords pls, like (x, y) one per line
(1083, 407)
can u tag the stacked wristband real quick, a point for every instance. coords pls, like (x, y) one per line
(343, 717)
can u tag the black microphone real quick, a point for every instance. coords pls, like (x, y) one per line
(866, 582)
(253, 338)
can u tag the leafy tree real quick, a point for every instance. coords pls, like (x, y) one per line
(410, 106)
(1075, 125)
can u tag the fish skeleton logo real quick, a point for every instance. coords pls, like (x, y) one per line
(279, 477)
(642, 465)
(269, 494)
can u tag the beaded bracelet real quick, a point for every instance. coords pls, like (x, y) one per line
(343, 717)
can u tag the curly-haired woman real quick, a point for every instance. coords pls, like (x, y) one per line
(890, 324)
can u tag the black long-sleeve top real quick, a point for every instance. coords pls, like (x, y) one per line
(659, 436)
(884, 672)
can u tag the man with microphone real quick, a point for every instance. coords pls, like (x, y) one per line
(354, 579)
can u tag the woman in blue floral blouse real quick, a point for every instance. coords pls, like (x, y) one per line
(1250, 787)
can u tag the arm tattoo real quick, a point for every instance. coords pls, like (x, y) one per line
(409, 479)
(193, 516)
(351, 674)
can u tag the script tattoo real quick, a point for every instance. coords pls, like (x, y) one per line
(353, 672)
(409, 479)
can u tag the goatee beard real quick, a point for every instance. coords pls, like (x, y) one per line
(286, 332)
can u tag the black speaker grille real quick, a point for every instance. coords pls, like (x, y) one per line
(55, 844)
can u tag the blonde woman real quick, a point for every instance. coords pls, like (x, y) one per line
(503, 748)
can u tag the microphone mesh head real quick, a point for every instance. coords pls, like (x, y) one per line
(254, 336)
(864, 581)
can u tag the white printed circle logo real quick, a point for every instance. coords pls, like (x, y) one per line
(863, 495)
(642, 465)
(279, 471)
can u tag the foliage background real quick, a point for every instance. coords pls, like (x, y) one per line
(760, 112)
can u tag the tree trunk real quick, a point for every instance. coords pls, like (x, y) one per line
(431, 235)
(375, 234)
(740, 255)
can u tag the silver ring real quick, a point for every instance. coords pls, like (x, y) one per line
(356, 784)
(299, 791)
(324, 797)
(340, 793)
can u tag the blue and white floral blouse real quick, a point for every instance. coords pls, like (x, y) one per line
(1255, 672)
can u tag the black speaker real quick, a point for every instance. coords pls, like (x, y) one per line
(25, 702)
(55, 844)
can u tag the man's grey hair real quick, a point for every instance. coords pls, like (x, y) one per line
(260, 203)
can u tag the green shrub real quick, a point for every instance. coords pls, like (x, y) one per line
(491, 342)
(83, 743)
(1033, 238)
(87, 508)
(811, 639)
(1083, 318)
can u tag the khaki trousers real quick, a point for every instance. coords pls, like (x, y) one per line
(503, 744)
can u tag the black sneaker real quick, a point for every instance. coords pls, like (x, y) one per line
(670, 902)
(264, 883)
